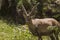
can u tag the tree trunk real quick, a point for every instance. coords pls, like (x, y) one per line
(8, 9)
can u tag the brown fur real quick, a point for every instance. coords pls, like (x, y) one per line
(42, 24)
(38, 27)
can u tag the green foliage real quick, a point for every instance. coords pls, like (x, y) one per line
(44, 6)
(14, 32)
(52, 28)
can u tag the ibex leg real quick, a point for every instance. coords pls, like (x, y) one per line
(56, 35)
(52, 37)
(39, 38)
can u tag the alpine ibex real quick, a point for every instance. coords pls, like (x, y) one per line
(38, 27)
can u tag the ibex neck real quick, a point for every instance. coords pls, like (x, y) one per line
(29, 22)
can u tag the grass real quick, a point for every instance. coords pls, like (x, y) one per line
(14, 32)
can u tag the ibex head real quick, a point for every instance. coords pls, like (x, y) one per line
(28, 15)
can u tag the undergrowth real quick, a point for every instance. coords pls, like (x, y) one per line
(14, 32)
